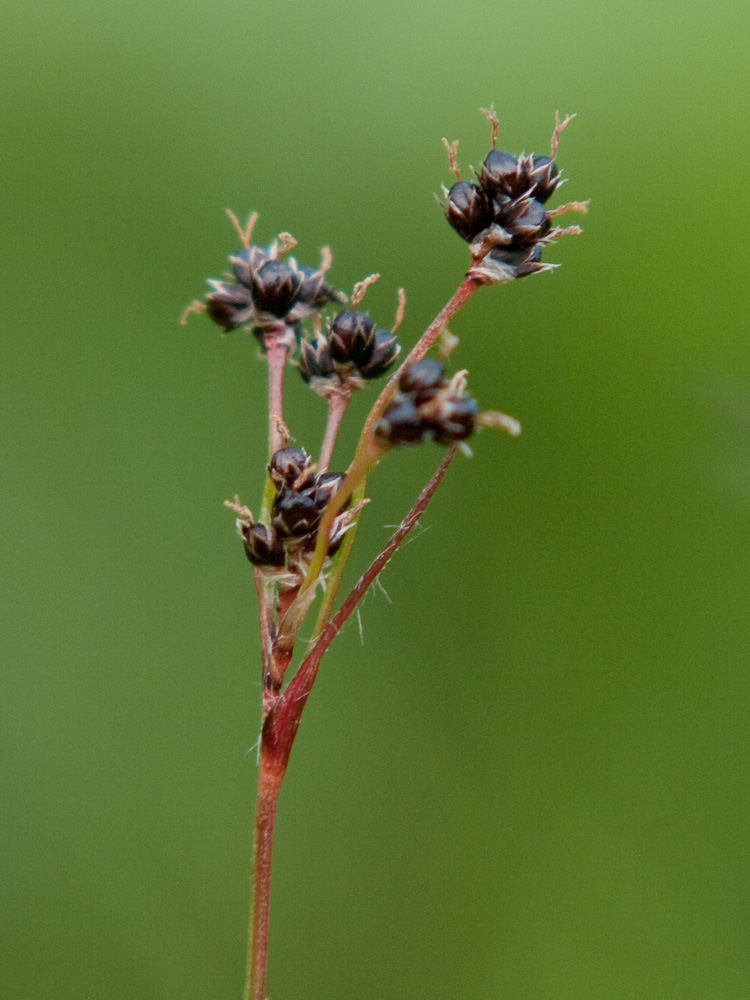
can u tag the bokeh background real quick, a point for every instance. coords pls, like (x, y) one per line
(531, 781)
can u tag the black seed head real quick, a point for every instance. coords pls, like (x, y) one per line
(508, 263)
(240, 262)
(262, 546)
(291, 467)
(499, 173)
(531, 262)
(528, 220)
(275, 287)
(468, 209)
(385, 352)
(400, 424)
(325, 487)
(314, 291)
(422, 376)
(294, 514)
(352, 338)
(246, 261)
(315, 360)
(455, 420)
(229, 305)
(545, 177)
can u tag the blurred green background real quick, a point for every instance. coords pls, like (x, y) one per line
(531, 782)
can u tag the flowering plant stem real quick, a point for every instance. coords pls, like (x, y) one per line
(368, 451)
(276, 353)
(280, 726)
(304, 536)
(269, 779)
(282, 712)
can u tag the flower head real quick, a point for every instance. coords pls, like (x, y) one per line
(428, 407)
(503, 216)
(267, 290)
(353, 352)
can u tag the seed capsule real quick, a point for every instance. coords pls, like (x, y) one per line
(315, 361)
(263, 547)
(314, 291)
(229, 305)
(455, 420)
(294, 514)
(499, 173)
(422, 376)
(468, 209)
(352, 338)
(528, 220)
(291, 467)
(325, 487)
(545, 177)
(275, 287)
(401, 424)
(384, 353)
(507, 263)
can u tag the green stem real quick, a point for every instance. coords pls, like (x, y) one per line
(364, 462)
(339, 565)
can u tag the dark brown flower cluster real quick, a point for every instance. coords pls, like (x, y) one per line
(353, 353)
(268, 292)
(284, 547)
(428, 407)
(503, 216)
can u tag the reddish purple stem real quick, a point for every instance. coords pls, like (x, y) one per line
(276, 353)
(286, 717)
(337, 404)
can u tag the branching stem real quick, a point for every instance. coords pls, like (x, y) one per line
(459, 299)
(368, 451)
(282, 712)
(292, 701)
(280, 727)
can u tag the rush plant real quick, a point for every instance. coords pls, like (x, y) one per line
(302, 538)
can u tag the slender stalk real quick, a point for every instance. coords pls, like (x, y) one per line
(279, 730)
(276, 353)
(337, 404)
(269, 780)
(271, 677)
